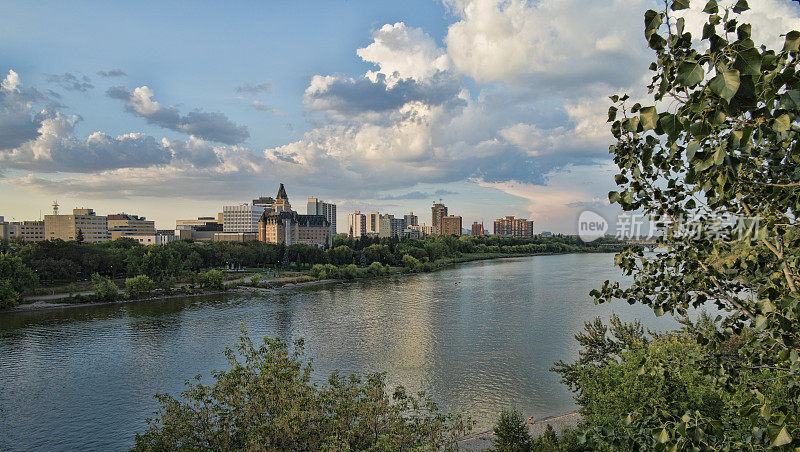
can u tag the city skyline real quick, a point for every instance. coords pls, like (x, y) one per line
(497, 107)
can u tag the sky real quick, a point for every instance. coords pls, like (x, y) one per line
(171, 109)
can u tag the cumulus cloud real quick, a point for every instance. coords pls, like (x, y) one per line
(18, 121)
(261, 106)
(417, 195)
(71, 82)
(213, 126)
(112, 73)
(563, 42)
(402, 52)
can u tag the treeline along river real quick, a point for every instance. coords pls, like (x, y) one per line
(479, 337)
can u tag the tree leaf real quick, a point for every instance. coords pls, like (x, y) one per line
(679, 4)
(648, 118)
(689, 73)
(748, 62)
(725, 84)
(782, 123)
(612, 113)
(662, 437)
(792, 41)
(740, 6)
(711, 7)
(652, 20)
(782, 439)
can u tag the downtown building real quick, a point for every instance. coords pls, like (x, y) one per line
(125, 225)
(281, 225)
(451, 225)
(438, 211)
(241, 218)
(356, 225)
(477, 229)
(315, 206)
(94, 228)
(513, 227)
(26, 230)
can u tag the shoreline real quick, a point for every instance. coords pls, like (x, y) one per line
(47, 306)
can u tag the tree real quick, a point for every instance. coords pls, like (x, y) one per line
(138, 285)
(104, 288)
(79, 236)
(267, 401)
(213, 279)
(511, 433)
(15, 279)
(719, 142)
(341, 255)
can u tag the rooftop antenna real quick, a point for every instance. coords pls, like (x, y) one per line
(55, 207)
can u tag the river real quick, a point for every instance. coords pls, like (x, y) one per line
(479, 337)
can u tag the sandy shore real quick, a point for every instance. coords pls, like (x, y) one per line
(483, 440)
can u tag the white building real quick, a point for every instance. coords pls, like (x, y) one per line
(241, 218)
(316, 206)
(356, 224)
(151, 239)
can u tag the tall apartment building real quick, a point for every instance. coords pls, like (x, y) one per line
(477, 229)
(120, 224)
(65, 227)
(373, 222)
(328, 210)
(451, 225)
(513, 227)
(356, 224)
(411, 219)
(438, 211)
(389, 226)
(241, 218)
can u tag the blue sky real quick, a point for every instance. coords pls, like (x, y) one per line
(172, 109)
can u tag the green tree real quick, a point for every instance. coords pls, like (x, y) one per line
(511, 433)
(138, 285)
(341, 255)
(16, 278)
(720, 138)
(79, 236)
(213, 279)
(104, 288)
(267, 401)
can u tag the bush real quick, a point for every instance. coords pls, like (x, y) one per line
(410, 261)
(376, 269)
(255, 280)
(138, 285)
(104, 288)
(15, 279)
(213, 279)
(511, 433)
(349, 272)
(346, 413)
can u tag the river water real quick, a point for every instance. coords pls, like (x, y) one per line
(479, 337)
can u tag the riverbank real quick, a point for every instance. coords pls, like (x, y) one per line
(481, 441)
(48, 302)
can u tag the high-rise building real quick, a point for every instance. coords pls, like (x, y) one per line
(120, 224)
(283, 225)
(438, 211)
(477, 229)
(82, 222)
(373, 222)
(513, 227)
(451, 225)
(411, 219)
(241, 218)
(385, 226)
(327, 210)
(356, 224)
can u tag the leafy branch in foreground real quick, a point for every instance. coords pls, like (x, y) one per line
(267, 401)
(719, 141)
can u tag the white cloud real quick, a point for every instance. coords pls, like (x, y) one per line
(403, 52)
(11, 82)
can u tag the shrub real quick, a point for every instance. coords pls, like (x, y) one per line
(349, 272)
(410, 261)
(213, 279)
(511, 433)
(376, 269)
(138, 285)
(104, 288)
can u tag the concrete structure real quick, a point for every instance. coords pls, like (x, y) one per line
(356, 224)
(65, 227)
(152, 239)
(422, 228)
(477, 229)
(451, 225)
(326, 209)
(438, 211)
(123, 224)
(235, 236)
(202, 229)
(31, 230)
(411, 219)
(513, 227)
(389, 226)
(283, 225)
(241, 218)
(412, 233)
(373, 222)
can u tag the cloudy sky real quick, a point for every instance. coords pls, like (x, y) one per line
(173, 109)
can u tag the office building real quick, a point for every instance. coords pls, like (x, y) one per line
(327, 210)
(235, 236)
(513, 227)
(373, 222)
(92, 227)
(451, 225)
(152, 239)
(411, 219)
(389, 226)
(477, 229)
(202, 229)
(241, 218)
(356, 225)
(120, 224)
(438, 211)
